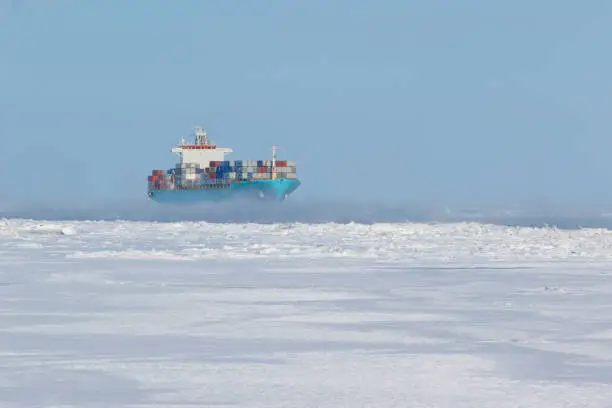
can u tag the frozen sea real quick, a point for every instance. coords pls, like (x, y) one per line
(198, 314)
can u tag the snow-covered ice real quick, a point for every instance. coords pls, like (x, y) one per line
(138, 314)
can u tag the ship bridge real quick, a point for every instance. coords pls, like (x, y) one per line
(201, 152)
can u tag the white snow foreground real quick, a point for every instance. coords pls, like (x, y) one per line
(130, 314)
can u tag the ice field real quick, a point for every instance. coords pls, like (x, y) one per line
(461, 315)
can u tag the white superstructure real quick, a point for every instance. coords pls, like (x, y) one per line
(202, 152)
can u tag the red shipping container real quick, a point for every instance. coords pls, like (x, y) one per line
(212, 175)
(150, 178)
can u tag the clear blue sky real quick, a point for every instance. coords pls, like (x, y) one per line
(463, 102)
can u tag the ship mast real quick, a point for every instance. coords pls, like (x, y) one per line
(200, 136)
(274, 148)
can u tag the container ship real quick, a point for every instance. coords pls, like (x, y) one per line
(203, 175)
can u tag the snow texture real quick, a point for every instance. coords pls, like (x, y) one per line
(142, 314)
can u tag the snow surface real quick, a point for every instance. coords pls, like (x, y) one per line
(140, 314)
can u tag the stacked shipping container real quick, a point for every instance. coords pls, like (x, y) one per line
(253, 169)
(220, 174)
(156, 180)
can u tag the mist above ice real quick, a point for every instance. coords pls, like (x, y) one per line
(301, 211)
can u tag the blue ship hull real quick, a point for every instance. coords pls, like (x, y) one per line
(274, 190)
